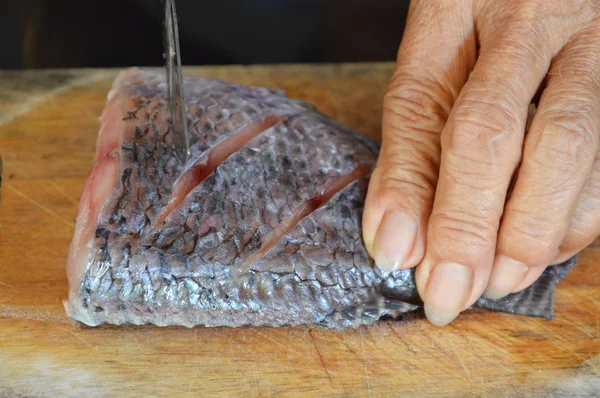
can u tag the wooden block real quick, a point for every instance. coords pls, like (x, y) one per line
(48, 129)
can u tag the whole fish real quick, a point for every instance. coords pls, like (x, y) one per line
(260, 227)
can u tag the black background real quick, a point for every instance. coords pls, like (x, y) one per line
(120, 33)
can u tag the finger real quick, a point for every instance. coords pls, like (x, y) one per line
(481, 146)
(585, 227)
(558, 158)
(434, 60)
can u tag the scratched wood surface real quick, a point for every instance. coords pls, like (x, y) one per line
(48, 127)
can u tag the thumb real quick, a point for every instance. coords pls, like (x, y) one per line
(437, 52)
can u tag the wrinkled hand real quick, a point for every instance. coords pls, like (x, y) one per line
(455, 142)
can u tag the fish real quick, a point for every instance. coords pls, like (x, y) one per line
(260, 227)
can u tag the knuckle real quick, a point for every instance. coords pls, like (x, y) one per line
(466, 229)
(418, 98)
(474, 172)
(408, 163)
(407, 175)
(567, 139)
(409, 190)
(491, 105)
(401, 140)
(535, 235)
(485, 129)
(577, 128)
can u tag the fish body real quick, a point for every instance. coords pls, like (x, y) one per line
(260, 227)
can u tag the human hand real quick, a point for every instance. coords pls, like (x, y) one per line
(454, 136)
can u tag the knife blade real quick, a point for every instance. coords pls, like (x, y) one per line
(177, 110)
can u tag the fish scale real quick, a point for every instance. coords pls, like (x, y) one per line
(270, 237)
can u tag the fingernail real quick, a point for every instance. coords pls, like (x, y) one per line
(448, 288)
(506, 275)
(395, 238)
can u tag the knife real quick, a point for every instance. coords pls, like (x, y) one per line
(177, 111)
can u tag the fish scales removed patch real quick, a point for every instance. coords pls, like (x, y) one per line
(261, 227)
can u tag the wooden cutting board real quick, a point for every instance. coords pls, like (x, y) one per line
(48, 127)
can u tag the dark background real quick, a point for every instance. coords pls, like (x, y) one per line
(120, 33)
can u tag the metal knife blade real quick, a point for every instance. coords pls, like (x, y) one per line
(177, 111)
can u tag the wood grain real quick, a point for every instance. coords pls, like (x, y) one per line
(47, 139)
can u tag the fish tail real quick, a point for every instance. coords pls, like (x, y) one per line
(535, 301)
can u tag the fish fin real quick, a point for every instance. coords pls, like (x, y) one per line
(381, 306)
(372, 308)
(535, 301)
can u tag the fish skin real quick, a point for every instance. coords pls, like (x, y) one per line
(195, 267)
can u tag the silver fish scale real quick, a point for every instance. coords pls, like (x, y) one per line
(188, 271)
